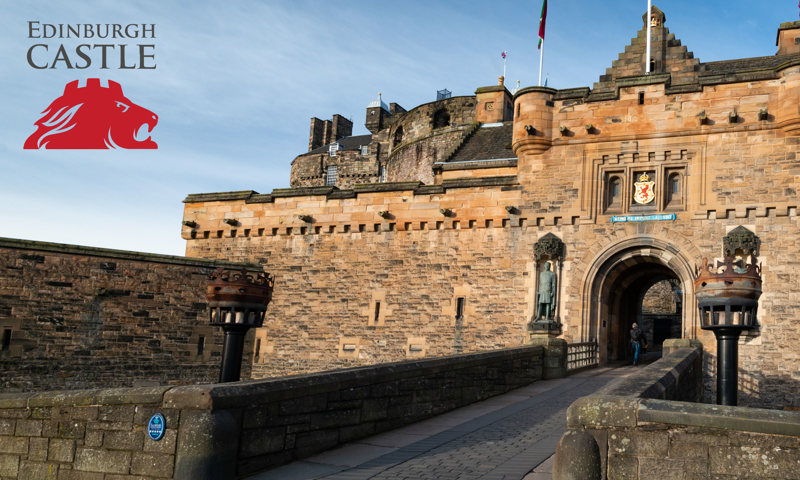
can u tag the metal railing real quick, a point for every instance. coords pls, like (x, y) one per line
(581, 356)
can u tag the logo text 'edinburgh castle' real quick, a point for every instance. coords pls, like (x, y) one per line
(93, 117)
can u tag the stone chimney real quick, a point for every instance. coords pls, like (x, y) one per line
(324, 132)
(316, 134)
(340, 128)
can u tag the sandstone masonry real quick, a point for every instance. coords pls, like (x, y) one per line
(442, 256)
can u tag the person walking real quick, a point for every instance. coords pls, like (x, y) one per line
(638, 340)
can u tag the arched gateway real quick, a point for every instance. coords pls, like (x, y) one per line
(616, 282)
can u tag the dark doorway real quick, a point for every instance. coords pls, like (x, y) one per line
(626, 293)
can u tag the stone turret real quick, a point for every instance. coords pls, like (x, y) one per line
(533, 120)
(788, 40)
(494, 103)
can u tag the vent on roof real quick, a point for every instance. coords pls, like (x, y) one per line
(442, 94)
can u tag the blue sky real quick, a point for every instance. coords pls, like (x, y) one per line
(236, 84)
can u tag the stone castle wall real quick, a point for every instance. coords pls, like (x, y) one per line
(415, 262)
(80, 317)
(332, 274)
(407, 156)
(328, 283)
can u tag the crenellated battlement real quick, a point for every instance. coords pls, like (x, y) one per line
(648, 107)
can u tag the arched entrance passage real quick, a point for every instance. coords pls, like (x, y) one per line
(616, 284)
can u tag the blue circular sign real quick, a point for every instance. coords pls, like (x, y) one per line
(156, 427)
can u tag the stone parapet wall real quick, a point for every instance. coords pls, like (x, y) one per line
(86, 435)
(82, 317)
(232, 430)
(645, 425)
(353, 168)
(659, 112)
(473, 203)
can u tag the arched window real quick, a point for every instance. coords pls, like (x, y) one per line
(674, 189)
(398, 136)
(441, 118)
(614, 193)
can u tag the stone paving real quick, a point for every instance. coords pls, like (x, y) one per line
(512, 436)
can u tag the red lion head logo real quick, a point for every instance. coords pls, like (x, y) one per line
(93, 117)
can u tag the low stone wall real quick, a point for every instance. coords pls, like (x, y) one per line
(678, 375)
(635, 429)
(644, 439)
(232, 430)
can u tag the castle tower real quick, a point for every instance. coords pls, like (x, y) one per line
(377, 112)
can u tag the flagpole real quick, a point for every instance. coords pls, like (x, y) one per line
(542, 19)
(541, 55)
(649, 26)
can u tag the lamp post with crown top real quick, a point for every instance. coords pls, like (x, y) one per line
(727, 296)
(237, 302)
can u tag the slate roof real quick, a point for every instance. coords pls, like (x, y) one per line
(725, 67)
(346, 143)
(487, 143)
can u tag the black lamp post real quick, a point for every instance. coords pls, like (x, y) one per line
(728, 302)
(237, 302)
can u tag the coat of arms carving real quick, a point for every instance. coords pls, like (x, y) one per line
(644, 190)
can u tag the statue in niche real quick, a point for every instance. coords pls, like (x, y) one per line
(654, 20)
(546, 296)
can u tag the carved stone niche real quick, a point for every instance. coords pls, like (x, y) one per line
(550, 247)
(657, 17)
(740, 239)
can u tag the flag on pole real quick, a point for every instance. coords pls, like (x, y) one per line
(503, 54)
(542, 19)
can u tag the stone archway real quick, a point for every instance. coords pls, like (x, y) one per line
(616, 283)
